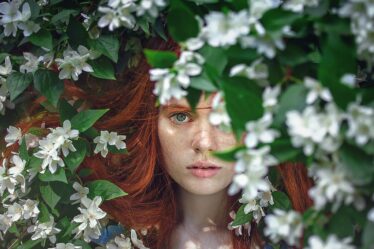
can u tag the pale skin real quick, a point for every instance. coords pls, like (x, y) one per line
(187, 138)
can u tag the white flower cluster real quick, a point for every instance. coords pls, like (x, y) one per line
(43, 230)
(31, 64)
(123, 242)
(91, 214)
(332, 242)
(169, 81)
(12, 18)
(11, 176)
(332, 185)
(121, 13)
(57, 141)
(74, 62)
(106, 139)
(360, 123)
(257, 71)
(5, 71)
(284, 225)
(299, 5)
(219, 116)
(65, 246)
(361, 13)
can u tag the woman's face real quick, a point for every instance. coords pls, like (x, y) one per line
(186, 140)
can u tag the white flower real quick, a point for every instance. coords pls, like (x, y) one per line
(106, 138)
(30, 209)
(74, 62)
(81, 193)
(332, 242)
(31, 65)
(284, 225)
(11, 177)
(169, 82)
(15, 212)
(331, 185)
(10, 16)
(119, 13)
(256, 71)
(48, 151)
(316, 91)
(13, 136)
(44, 230)
(150, 7)
(219, 116)
(360, 123)
(269, 97)
(32, 141)
(7, 68)
(348, 80)
(258, 131)
(65, 246)
(137, 242)
(225, 29)
(258, 8)
(5, 223)
(299, 5)
(266, 44)
(89, 218)
(119, 242)
(29, 27)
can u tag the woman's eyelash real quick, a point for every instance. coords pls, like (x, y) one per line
(174, 115)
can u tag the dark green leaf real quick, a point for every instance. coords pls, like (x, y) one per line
(113, 149)
(49, 195)
(360, 173)
(331, 70)
(215, 57)
(182, 23)
(106, 189)
(103, 68)
(107, 45)
(49, 85)
(86, 119)
(283, 150)
(23, 150)
(277, 19)
(367, 236)
(281, 201)
(160, 59)
(17, 83)
(77, 34)
(42, 38)
(203, 82)
(193, 97)
(293, 98)
(74, 159)
(66, 111)
(30, 244)
(342, 223)
(44, 215)
(64, 15)
(66, 227)
(241, 217)
(59, 176)
(228, 155)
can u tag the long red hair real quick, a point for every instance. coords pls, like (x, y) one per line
(151, 202)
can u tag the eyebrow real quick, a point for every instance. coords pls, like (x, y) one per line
(183, 107)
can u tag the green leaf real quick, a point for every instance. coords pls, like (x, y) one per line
(85, 119)
(276, 19)
(241, 217)
(64, 15)
(85, 172)
(74, 159)
(102, 68)
(357, 164)
(77, 34)
(44, 215)
(49, 85)
(113, 149)
(229, 154)
(17, 83)
(106, 189)
(34, 8)
(58, 176)
(293, 55)
(283, 150)
(281, 201)
(193, 97)
(367, 236)
(30, 244)
(342, 223)
(34, 164)
(331, 70)
(66, 111)
(293, 98)
(107, 45)
(182, 23)
(243, 102)
(160, 59)
(42, 38)
(203, 82)
(49, 195)
(215, 57)
(23, 150)
(66, 227)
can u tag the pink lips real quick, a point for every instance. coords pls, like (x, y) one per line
(203, 169)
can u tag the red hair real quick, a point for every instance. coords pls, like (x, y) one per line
(151, 202)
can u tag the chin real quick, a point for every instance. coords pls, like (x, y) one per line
(204, 188)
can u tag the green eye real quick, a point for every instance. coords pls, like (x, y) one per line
(180, 117)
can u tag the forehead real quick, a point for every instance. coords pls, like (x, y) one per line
(205, 102)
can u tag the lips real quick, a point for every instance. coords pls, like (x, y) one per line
(203, 169)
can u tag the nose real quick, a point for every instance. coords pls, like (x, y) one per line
(204, 138)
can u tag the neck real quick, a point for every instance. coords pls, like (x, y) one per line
(203, 213)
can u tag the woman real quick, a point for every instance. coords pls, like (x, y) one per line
(177, 189)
